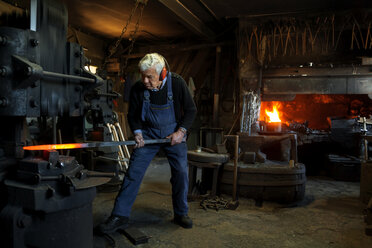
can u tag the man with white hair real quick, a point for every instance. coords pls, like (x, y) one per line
(160, 106)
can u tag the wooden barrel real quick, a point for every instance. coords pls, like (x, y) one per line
(366, 182)
(267, 181)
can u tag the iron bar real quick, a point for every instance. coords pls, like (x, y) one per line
(93, 144)
(65, 76)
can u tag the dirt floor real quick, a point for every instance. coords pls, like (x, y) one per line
(330, 216)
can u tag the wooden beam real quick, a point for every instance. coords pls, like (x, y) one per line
(188, 18)
(168, 49)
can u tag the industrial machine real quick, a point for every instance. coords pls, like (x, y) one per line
(47, 96)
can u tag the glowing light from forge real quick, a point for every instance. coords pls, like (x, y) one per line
(53, 147)
(274, 115)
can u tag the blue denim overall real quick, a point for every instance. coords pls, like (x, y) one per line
(160, 121)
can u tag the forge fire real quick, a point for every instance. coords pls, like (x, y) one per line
(315, 110)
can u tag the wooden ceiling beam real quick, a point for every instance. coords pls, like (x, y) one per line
(190, 20)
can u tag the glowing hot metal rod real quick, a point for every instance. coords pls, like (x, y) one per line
(91, 144)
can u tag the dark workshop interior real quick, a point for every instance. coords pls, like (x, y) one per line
(279, 151)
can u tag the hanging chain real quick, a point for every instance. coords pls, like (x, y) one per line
(132, 39)
(117, 43)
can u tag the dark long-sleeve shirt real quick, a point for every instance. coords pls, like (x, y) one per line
(184, 106)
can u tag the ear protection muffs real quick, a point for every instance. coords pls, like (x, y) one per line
(163, 74)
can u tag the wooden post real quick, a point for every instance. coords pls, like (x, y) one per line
(236, 157)
(235, 172)
(216, 87)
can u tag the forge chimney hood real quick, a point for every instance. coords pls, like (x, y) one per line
(308, 80)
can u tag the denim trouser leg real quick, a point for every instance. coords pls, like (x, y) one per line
(139, 161)
(177, 157)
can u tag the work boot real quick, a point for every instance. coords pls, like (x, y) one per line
(114, 223)
(183, 220)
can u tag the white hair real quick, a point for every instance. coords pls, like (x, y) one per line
(152, 60)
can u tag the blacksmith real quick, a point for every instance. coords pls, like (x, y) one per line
(160, 106)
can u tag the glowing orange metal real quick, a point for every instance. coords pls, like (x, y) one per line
(54, 147)
(92, 144)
